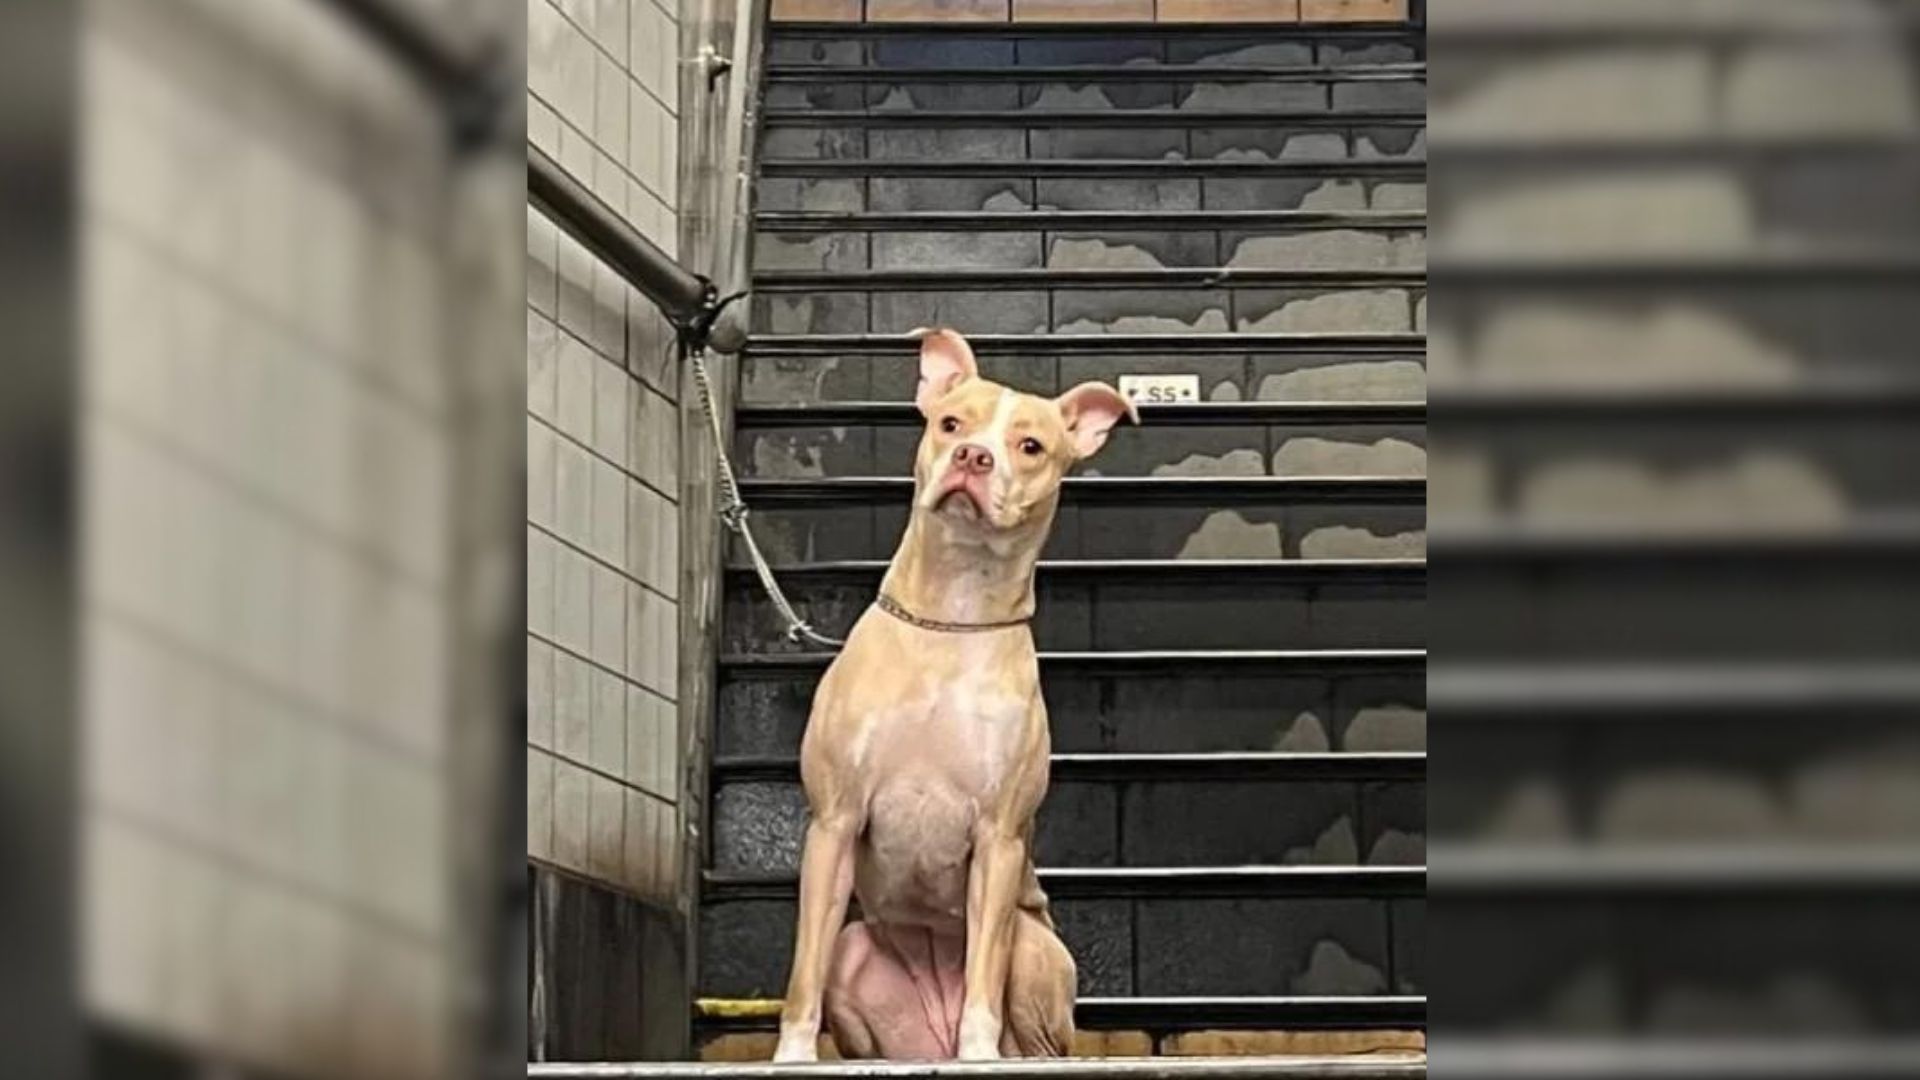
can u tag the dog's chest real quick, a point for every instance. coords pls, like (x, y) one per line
(930, 765)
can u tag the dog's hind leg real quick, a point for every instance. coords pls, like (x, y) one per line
(1041, 983)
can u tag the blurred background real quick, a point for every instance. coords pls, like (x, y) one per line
(1675, 790)
(268, 685)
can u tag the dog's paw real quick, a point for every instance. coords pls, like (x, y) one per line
(796, 1046)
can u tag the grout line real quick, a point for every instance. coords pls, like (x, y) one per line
(591, 557)
(596, 455)
(603, 774)
(597, 665)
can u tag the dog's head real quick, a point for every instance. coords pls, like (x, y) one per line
(992, 458)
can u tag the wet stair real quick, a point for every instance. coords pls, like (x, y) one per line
(1231, 608)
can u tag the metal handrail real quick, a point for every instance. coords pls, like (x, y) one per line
(686, 298)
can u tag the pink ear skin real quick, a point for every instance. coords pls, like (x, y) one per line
(1091, 410)
(946, 361)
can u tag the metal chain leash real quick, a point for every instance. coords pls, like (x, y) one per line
(733, 508)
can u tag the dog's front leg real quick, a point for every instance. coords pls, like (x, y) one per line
(994, 881)
(826, 883)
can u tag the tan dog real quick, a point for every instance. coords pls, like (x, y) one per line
(926, 754)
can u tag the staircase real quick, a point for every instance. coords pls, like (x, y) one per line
(1231, 609)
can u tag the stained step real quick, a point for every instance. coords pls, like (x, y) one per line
(1108, 490)
(1057, 278)
(903, 414)
(1158, 1014)
(778, 221)
(1160, 883)
(1229, 767)
(1084, 74)
(1408, 170)
(1041, 344)
(1139, 604)
(1149, 946)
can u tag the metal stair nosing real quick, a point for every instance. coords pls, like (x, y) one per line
(750, 415)
(1401, 168)
(1164, 1014)
(1043, 344)
(1223, 767)
(1108, 490)
(788, 221)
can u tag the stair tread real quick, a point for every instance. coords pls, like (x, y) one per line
(1162, 1012)
(1134, 659)
(1886, 535)
(1166, 882)
(1198, 71)
(1106, 344)
(1060, 278)
(1144, 118)
(1408, 168)
(1544, 692)
(1373, 1066)
(1231, 568)
(1132, 489)
(1718, 868)
(1051, 220)
(906, 414)
(1221, 766)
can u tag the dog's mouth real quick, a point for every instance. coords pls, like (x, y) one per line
(964, 497)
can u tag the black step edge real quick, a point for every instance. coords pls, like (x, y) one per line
(1090, 118)
(1406, 169)
(1083, 490)
(1148, 662)
(1843, 548)
(1370, 29)
(786, 221)
(1224, 767)
(1715, 871)
(1398, 345)
(1194, 414)
(1659, 690)
(1794, 271)
(1168, 1014)
(1129, 883)
(1763, 1056)
(1008, 280)
(1811, 398)
(1175, 573)
(1402, 71)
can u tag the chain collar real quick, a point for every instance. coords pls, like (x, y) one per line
(892, 607)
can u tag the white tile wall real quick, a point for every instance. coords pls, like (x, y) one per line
(603, 458)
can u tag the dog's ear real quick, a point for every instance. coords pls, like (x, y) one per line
(1091, 410)
(946, 361)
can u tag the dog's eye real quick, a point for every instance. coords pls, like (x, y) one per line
(1030, 447)
(949, 424)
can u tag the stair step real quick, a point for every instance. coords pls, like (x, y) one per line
(1811, 396)
(1097, 490)
(1337, 30)
(1719, 870)
(1158, 1014)
(1519, 273)
(1136, 604)
(1644, 1056)
(903, 414)
(1082, 220)
(1290, 1067)
(1082, 74)
(1130, 883)
(1003, 280)
(1176, 573)
(1117, 662)
(1540, 692)
(904, 347)
(1155, 768)
(1407, 169)
(917, 119)
(1880, 538)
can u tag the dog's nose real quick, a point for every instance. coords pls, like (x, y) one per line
(973, 459)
